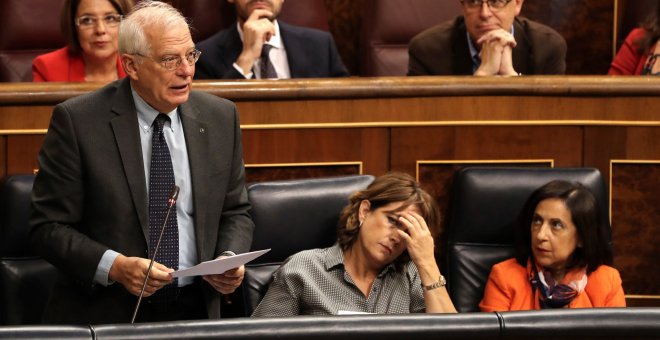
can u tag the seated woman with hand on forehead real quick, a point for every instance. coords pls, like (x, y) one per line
(562, 256)
(383, 261)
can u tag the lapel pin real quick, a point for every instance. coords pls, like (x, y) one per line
(201, 130)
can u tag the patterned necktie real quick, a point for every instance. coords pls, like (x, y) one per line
(161, 181)
(267, 68)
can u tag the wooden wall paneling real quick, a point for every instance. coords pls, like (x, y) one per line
(411, 144)
(635, 203)
(345, 20)
(275, 172)
(290, 146)
(25, 117)
(22, 153)
(604, 143)
(436, 109)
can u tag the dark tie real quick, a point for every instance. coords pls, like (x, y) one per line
(267, 68)
(161, 181)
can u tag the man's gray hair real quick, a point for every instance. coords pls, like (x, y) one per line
(147, 13)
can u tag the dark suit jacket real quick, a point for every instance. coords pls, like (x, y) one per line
(443, 50)
(311, 54)
(90, 195)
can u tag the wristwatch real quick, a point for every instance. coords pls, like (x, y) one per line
(440, 283)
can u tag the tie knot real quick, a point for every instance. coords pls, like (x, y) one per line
(160, 121)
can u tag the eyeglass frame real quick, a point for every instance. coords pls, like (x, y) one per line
(487, 2)
(197, 53)
(96, 20)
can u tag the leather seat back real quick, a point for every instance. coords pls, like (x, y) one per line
(388, 26)
(26, 280)
(484, 207)
(291, 216)
(29, 28)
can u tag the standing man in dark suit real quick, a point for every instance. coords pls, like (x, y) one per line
(260, 46)
(488, 39)
(96, 200)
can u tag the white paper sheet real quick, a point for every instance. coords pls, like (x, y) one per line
(219, 266)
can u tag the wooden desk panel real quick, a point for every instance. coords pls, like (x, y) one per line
(321, 127)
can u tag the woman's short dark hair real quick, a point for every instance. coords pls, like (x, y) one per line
(652, 28)
(68, 18)
(586, 216)
(392, 187)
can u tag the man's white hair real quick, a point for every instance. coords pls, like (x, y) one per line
(147, 13)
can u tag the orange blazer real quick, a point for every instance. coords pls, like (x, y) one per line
(508, 288)
(61, 65)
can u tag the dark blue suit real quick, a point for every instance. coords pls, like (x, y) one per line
(311, 54)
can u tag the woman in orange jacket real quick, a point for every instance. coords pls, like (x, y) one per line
(562, 256)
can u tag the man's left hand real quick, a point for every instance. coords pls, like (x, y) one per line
(227, 282)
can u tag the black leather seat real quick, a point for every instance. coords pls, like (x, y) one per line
(26, 280)
(291, 216)
(587, 323)
(29, 28)
(409, 326)
(68, 332)
(387, 27)
(484, 206)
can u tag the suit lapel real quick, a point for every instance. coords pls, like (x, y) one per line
(461, 57)
(522, 54)
(295, 50)
(197, 145)
(231, 48)
(125, 129)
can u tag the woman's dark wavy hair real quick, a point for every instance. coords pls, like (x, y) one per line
(389, 188)
(68, 18)
(586, 216)
(652, 28)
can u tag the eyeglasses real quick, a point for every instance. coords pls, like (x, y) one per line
(88, 21)
(172, 62)
(492, 4)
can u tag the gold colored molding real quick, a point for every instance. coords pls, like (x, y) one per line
(615, 28)
(452, 123)
(359, 164)
(625, 161)
(482, 161)
(23, 132)
(643, 297)
(409, 124)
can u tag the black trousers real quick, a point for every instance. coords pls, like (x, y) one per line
(188, 305)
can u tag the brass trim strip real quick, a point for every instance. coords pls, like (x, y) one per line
(615, 28)
(625, 161)
(451, 123)
(284, 165)
(640, 123)
(24, 132)
(654, 297)
(481, 161)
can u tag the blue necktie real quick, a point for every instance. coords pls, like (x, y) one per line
(161, 182)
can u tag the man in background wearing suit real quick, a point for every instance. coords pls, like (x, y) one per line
(260, 46)
(100, 194)
(488, 39)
